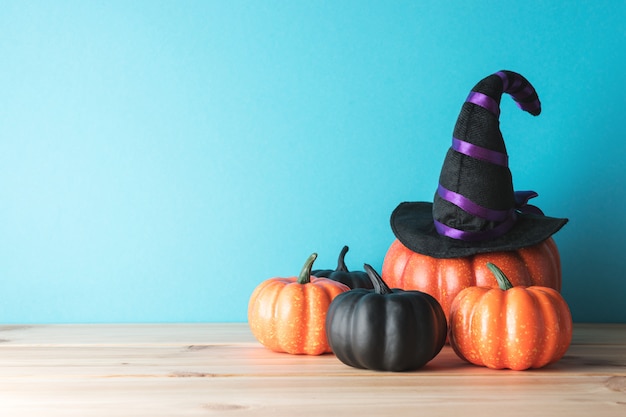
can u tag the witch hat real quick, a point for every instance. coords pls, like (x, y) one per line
(475, 209)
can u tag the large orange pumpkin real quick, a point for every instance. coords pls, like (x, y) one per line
(445, 278)
(289, 314)
(510, 327)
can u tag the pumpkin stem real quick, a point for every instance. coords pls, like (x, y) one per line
(341, 263)
(305, 274)
(503, 281)
(379, 285)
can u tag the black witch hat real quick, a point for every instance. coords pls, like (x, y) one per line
(475, 209)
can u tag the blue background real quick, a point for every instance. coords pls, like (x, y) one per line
(160, 159)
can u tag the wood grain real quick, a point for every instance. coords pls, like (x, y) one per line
(219, 369)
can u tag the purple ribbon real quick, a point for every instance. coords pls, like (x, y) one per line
(530, 107)
(479, 152)
(517, 94)
(484, 101)
(472, 208)
(506, 217)
(505, 81)
(521, 202)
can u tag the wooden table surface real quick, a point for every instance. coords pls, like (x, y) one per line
(219, 369)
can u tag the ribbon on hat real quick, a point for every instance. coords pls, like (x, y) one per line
(479, 152)
(507, 217)
(520, 90)
(521, 202)
(483, 100)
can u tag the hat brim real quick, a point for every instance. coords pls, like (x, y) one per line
(412, 224)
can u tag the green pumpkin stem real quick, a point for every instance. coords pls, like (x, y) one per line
(341, 263)
(503, 281)
(305, 274)
(379, 285)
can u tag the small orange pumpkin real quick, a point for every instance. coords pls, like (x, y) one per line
(289, 314)
(445, 278)
(510, 327)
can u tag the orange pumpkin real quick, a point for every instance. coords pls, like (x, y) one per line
(445, 278)
(510, 327)
(289, 314)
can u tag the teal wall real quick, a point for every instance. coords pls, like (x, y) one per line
(159, 159)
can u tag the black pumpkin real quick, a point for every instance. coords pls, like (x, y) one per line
(384, 329)
(354, 279)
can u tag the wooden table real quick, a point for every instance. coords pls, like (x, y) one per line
(219, 369)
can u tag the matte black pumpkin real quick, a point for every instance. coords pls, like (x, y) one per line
(353, 279)
(384, 329)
